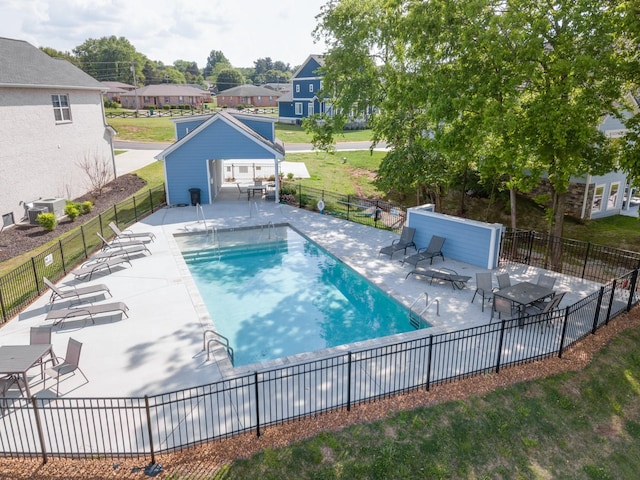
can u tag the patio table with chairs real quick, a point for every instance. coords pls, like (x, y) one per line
(17, 360)
(524, 294)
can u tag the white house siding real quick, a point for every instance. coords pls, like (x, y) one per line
(39, 158)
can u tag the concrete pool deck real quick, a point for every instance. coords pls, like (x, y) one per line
(158, 349)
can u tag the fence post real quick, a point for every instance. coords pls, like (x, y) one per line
(151, 200)
(586, 259)
(36, 414)
(349, 382)
(348, 206)
(597, 314)
(100, 222)
(564, 331)
(115, 215)
(531, 235)
(4, 310)
(500, 346)
(84, 241)
(135, 209)
(148, 411)
(64, 267)
(35, 274)
(632, 289)
(429, 362)
(255, 380)
(299, 195)
(613, 291)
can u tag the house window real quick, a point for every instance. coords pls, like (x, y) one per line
(612, 202)
(243, 169)
(181, 99)
(228, 169)
(310, 109)
(270, 98)
(596, 206)
(311, 88)
(61, 108)
(298, 88)
(166, 99)
(259, 99)
(298, 108)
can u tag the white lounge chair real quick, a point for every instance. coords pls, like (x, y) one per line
(88, 311)
(129, 235)
(117, 243)
(89, 268)
(74, 292)
(125, 251)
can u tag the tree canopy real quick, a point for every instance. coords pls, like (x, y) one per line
(514, 90)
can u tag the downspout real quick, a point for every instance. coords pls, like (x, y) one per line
(276, 162)
(586, 196)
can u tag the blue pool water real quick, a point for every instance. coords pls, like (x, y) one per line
(274, 293)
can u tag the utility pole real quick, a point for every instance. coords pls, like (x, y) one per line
(135, 84)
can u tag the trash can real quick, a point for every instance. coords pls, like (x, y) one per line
(195, 196)
(151, 112)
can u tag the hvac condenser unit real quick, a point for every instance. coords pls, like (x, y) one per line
(34, 212)
(53, 205)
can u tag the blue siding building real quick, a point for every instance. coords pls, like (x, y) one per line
(302, 101)
(196, 159)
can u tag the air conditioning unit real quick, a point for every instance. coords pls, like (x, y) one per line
(34, 212)
(53, 205)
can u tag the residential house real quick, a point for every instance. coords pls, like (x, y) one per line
(302, 100)
(196, 161)
(53, 122)
(169, 94)
(115, 89)
(248, 95)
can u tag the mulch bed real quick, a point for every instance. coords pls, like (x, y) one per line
(20, 238)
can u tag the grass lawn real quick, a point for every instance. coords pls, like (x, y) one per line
(578, 425)
(161, 129)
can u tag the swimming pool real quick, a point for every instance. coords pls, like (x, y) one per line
(273, 293)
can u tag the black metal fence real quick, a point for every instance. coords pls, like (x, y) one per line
(371, 212)
(585, 260)
(24, 283)
(147, 426)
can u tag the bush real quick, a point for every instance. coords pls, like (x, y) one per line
(47, 221)
(86, 207)
(71, 211)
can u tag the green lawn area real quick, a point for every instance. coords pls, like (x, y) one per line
(579, 425)
(161, 129)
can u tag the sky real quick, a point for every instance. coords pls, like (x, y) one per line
(169, 30)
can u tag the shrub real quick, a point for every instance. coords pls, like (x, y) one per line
(47, 221)
(290, 176)
(86, 207)
(71, 211)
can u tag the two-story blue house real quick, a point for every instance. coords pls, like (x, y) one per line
(302, 101)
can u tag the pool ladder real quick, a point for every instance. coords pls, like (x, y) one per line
(416, 319)
(217, 340)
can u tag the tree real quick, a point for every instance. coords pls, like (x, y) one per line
(215, 57)
(190, 71)
(68, 56)
(229, 78)
(506, 87)
(111, 58)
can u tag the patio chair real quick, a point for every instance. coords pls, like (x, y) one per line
(129, 235)
(504, 280)
(501, 305)
(69, 364)
(73, 292)
(546, 308)
(546, 281)
(115, 243)
(405, 241)
(89, 268)
(241, 191)
(41, 336)
(434, 249)
(6, 382)
(88, 311)
(484, 287)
